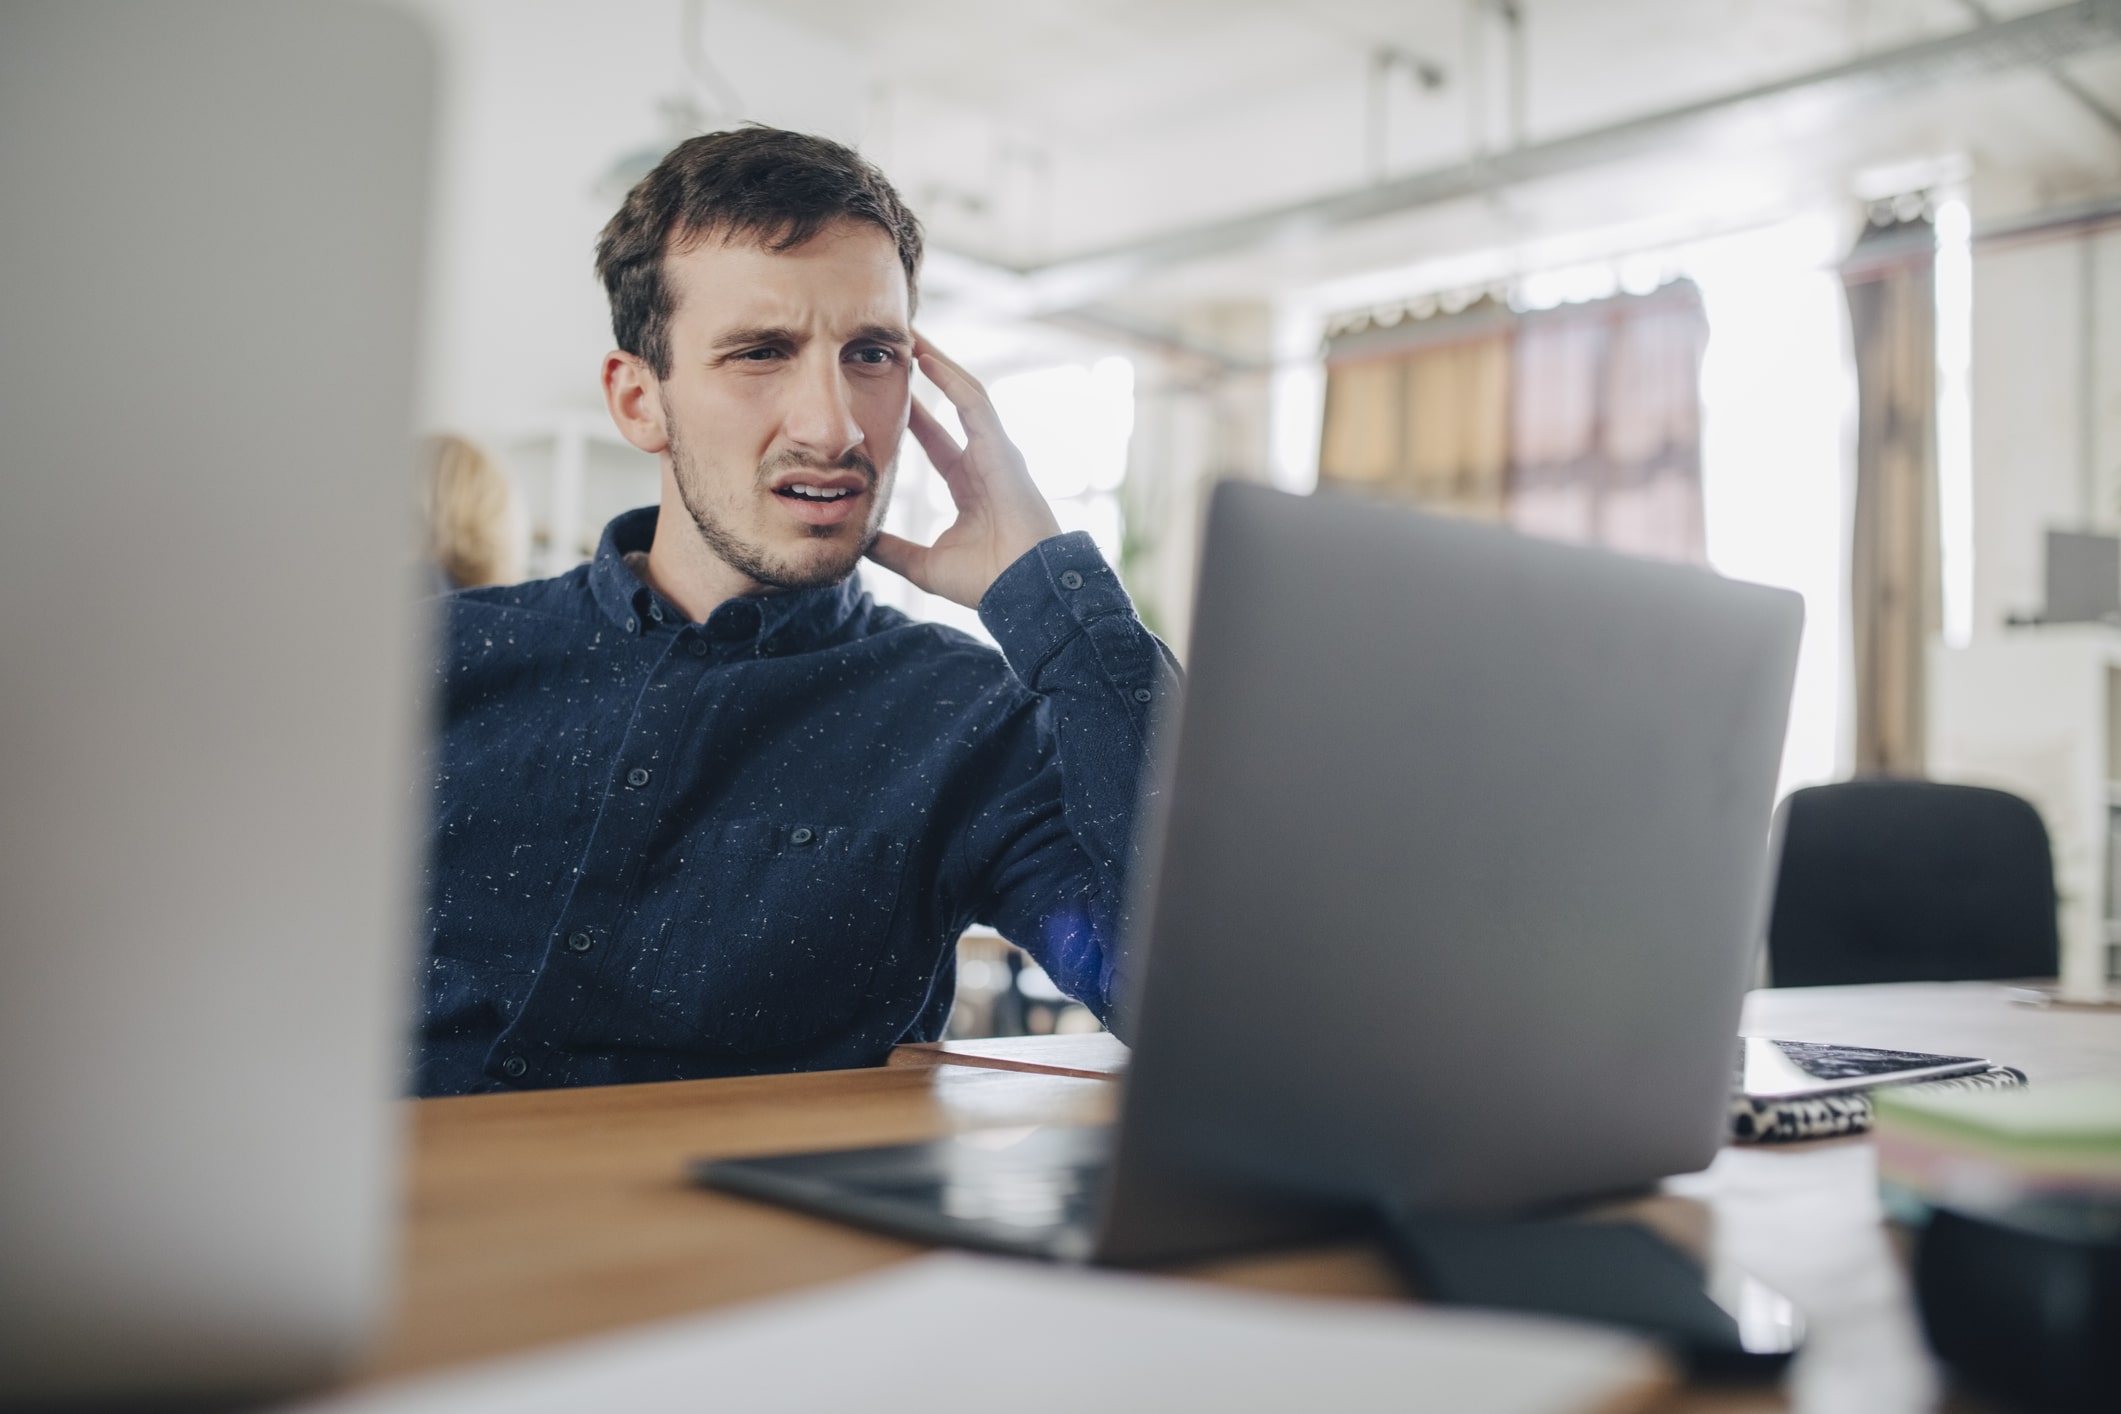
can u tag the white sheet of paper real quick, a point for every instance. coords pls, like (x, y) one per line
(955, 1334)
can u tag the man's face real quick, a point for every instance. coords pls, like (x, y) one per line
(790, 376)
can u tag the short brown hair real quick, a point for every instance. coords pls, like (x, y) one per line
(776, 187)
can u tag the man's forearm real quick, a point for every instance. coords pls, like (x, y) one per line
(1072, 636)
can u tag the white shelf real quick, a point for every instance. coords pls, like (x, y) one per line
(2037, 711)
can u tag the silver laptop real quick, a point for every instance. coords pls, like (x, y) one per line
(211, 217)
(1451, 909)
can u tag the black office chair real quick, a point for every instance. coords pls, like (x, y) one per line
(1911, 881)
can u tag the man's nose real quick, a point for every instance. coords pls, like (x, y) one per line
(820, 417)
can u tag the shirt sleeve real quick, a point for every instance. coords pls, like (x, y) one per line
(1058, 884)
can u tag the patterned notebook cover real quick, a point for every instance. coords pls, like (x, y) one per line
(1755, 1120)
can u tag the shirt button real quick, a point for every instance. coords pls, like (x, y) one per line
(1071, 580)
(655, 611)
(633, 625)
(699, 648)
(580, 942)
(514, 1067)
(637, 777)
(1142, 694)
(801, 834)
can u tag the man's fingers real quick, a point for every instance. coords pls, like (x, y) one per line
(924, 347)
(961, 388)
(935, 439)
(902, 557)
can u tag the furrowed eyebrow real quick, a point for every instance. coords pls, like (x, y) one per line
(750, 338)
(768, 334)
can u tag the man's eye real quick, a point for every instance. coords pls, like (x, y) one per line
(875, 357)
(759, 355)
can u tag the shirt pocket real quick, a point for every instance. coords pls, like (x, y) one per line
(779, 940)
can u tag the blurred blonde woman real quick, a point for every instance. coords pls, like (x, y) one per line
(474, 528)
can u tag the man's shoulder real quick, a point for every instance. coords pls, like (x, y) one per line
(510, 625)
(564, 596)
(936, 649)
(924, 637)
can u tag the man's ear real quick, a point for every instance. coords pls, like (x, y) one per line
(633, 394)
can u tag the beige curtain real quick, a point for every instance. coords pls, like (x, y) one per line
(1606, 426)
(1427, 422)
(1894, 591)
(1580, 424)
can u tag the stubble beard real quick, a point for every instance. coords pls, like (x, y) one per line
(751, 560)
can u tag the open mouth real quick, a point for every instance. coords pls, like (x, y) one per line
(837, 501)
(821, 494)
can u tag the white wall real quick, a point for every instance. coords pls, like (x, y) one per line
(2029, 419)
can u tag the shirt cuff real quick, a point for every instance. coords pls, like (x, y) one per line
(1049, 595)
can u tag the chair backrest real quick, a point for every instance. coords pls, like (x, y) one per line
(1910, 881)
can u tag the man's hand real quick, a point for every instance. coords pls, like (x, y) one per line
(1000, 513)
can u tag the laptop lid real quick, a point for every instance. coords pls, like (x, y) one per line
(1458, 879)
(212, 226)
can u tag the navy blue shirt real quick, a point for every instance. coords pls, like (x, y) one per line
(665, 850)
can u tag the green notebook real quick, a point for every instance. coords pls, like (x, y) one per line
(2000, 1149)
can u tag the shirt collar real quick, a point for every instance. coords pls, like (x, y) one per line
(790, 621)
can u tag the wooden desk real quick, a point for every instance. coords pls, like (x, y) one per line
(539, 1216)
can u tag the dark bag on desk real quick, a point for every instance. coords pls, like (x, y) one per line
(2028, 1315)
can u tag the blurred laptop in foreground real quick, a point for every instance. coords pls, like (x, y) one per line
(212, 232)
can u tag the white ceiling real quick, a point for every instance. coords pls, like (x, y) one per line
(1100, 71)
(1030, 132)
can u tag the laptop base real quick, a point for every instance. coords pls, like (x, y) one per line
(1614, 1273)
(1024, 1194)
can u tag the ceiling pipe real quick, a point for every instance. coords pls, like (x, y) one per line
(2058, 75)
(2043, 37)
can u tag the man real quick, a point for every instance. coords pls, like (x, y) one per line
(702, 807)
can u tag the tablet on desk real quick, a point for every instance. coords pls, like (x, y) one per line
(1792, 1070)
